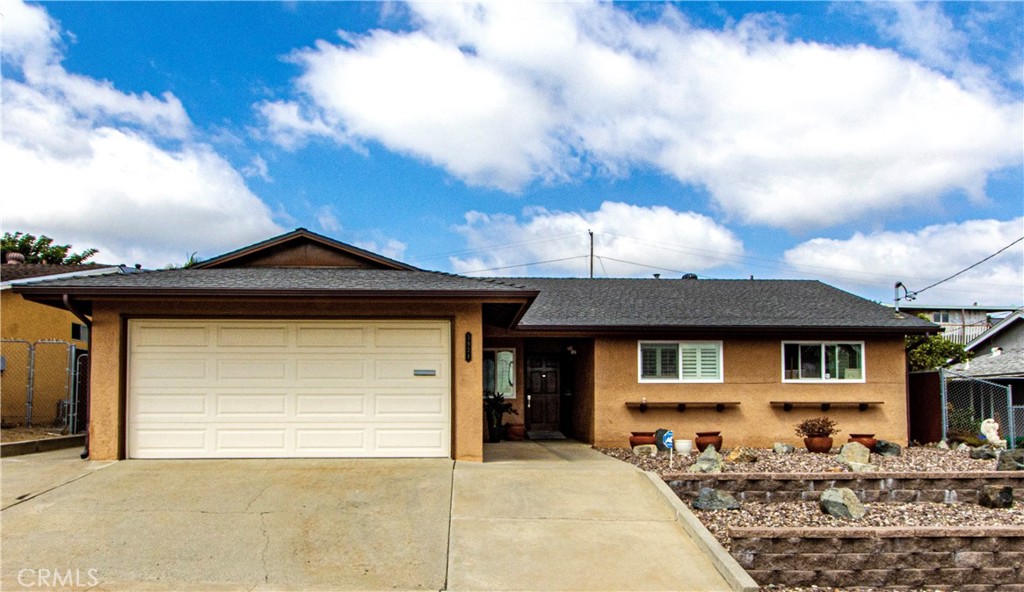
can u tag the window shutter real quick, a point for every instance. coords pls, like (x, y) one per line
(691, 362)
(709, 361)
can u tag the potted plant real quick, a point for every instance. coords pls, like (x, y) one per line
(495, 408)
(817, 433)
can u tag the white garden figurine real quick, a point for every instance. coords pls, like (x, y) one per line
(990, 429)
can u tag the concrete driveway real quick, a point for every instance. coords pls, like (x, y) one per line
(536, 516)
(234, 525)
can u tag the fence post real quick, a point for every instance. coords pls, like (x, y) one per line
(945, 411)
(1011, 412)
(31, 386)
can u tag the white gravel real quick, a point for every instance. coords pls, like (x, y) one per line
(915, 459)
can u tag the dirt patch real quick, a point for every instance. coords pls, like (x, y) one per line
(22, 434)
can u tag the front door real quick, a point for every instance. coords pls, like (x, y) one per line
(542, 393)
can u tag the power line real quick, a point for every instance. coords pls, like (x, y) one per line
(969, 267)
(524, 264)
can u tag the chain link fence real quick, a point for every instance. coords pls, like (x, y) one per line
(41, 383)
(967, 401)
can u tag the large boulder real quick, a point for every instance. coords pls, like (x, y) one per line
(996, 496)
(1011, 460)
(841, 502)
(887, 448)
(984, 453)
(715, 499)
(742, 455)
(708, 461)
(782, 448)
(645, 450)
(854, 452)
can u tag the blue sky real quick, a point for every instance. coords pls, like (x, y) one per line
(859, 144)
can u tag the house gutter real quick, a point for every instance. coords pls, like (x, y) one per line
(66, 299)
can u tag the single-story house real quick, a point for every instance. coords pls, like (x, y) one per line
(304, 346)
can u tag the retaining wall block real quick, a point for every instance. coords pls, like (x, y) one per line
(974, 559)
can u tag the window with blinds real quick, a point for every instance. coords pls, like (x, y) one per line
(680, 361)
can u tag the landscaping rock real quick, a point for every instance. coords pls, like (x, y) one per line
(962, 446)
(646, 450)
(743, 455)
(996, 496)
(857, 467)
(854, 452)
(708, 461)
(841, 502)
(781, 448)
(887, 448)
(714, 499)
(984, 453)
(1011, 460)
(942, 445)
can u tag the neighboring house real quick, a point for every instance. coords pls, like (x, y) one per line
(960, 324)
(30, 322)
(305, 346)
(999, 355)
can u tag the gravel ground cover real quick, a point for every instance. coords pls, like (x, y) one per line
(22, 434)
(807, 514)
(914, 459)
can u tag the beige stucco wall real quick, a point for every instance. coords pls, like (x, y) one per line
(109, 358)
(29, 321)
(753, 376)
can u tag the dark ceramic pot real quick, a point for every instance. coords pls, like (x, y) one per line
(516, 432)
(868, 440)
(641, 438)
(705, 439)
(821, 444)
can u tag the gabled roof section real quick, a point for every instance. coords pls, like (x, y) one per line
(1006, 323)
(1008, 364)
(302, 248)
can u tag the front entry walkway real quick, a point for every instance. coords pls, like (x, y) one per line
(561, 516)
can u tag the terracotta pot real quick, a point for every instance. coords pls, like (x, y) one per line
(641, 438)
(868, 440)
(516, 432)
(822, 444)
(705, 439)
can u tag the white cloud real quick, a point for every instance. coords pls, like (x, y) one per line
(624, 235)
(505, 94)
(921, 258)
(389, 247)
(328, 219)
(93, 166)
(258, 168)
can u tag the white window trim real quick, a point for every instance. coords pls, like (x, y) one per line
(863, 364)
(679, 362)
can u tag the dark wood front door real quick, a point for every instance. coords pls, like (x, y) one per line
(542, 393)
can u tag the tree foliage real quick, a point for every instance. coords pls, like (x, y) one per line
(41, 249)
(931, 352)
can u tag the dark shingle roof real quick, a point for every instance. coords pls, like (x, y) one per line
(1008, 364)
(22, 271)
(258, 280)
(691, 303)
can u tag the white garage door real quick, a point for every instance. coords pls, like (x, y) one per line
(226, 389)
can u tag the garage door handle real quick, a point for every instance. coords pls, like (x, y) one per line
(528, 401)
(424, 372)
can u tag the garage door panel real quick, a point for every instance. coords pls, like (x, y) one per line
(331, 337)
(288, 388)
(261, 404)
(330, 405)
(407, 337)
(322, 368)
(332, 441)
(149, 336)
(252, 337)
(190, 406)
(244, 370)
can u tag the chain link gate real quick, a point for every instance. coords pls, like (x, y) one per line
(967, 401)
(40, 384)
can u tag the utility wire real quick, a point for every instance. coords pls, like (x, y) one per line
(970, 267)
(523, 264)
